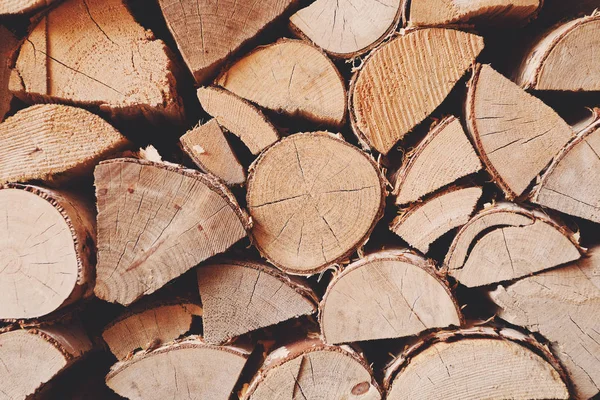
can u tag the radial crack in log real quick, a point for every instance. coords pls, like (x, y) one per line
(16, 7)
(8, 45)
(324, 208)
(156, 221)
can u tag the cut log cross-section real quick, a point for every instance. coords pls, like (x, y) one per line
(323, 210)
(8, 45)
(47, 244)
(386, 295)
(155, 222)
(242, 296)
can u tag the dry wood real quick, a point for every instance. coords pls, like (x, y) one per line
(208, 32)
(310, 369)
(314, 200)
(15, 7)
(207, 146)
(292, 77)
(242, 296)
(46, 251)
(516, 134)
(564, 58)
(92, 52)
(239, 117)
(444, 156)
(563, 305)
(8, 45)
(505, 242)
(424, 223)
(184, 369)
(346, 28)
(156, 221)
(388, 294)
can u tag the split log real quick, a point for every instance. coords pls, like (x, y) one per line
(385, 295)
(381, 111)
(208, 148)
(314, 370)
(33, 143)
(325, 208)
(16, 7)
(239, 117)
(149, 327)
(505, 242)
(347, 29)
(8, 45)
(156, 221)
(444, 156)
(563, 305)
(564, 58)
(476, 363)
(47, 249)
(242, 296)
(184, 369)
(516, 134)
(92, 52)
(208, 33)
(424, 223)
(292, 77)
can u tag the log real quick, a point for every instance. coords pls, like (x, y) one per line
(243, 296)
(516, 134)
(292, 77)
(324, 209)
(313, 370)
(388, 294)
(17, 7)
(442, 157)
(424, 223)
(381, 112)
(347, 29)
(208, 33)
(155, 222)
(562, 304)
(546, 67)
(47, 249)
(208, 148)
(239, 117)
(33, 143)
(8, 45)
(476, 363)
(505, 242)
(184, 369)
(93, 53)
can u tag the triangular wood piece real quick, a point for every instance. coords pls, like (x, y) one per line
(92, 52)
(242, 296)
(208, 32)
(505, 242)
(564, 58)
(445, 155)
(424, 223)
(239, 117)
(516, 134)
(563, 305)
(292, 77)
(347, 29)
(156, 221)
(8, 45)
(385, 295)
(15, 7)
(399, 85)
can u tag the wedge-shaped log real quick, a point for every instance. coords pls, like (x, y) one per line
(184, 369)
(156, 221)
(388, 294)
(8, 45)
(16, 7)
(505, 242)
(516, 134)
(444, 156)
(310, 369)
(326, 206)
(424, 223)
(292, 77)
(345, 28)
(46, 246)
(381, 109)
(562, 305)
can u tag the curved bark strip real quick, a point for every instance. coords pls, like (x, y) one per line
(16, 7)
